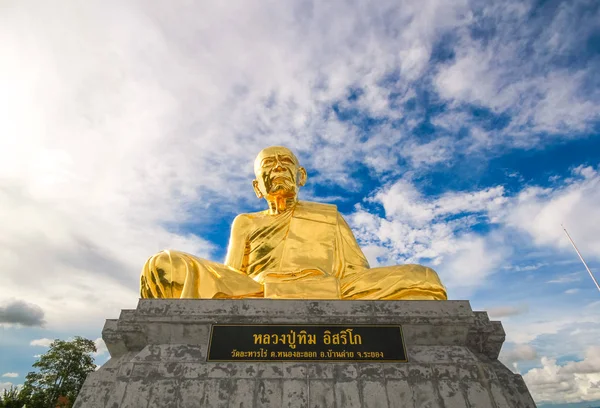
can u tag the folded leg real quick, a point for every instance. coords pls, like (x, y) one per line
(401, 282)
(175, 274)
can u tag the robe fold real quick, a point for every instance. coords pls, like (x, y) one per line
(308, 252)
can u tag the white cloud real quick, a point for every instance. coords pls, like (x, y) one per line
(436, 151)
(539, 93)
(404, 202)
(10, 375)
(6, 386)
(435, 231)
(568, 278)
(574, 381)
(518, 353)
(148, 118)
(100, 347)
(525, 268)
(550, 333)
(540, 213)
(41, 342)
(473, 259)
(555, 329)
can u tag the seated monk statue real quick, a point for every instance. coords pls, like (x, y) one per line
(292, 250)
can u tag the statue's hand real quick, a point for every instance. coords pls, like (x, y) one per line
(312, 272)
(286, 276)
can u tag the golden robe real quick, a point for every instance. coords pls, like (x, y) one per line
(308, 252)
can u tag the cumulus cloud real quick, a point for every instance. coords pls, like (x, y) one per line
(438, 230)
(120, 136)
(44, 342)
(139, 124)
(100, 347)
(5, 386)
(539, 212)
(556, 330)
(518, 70)
(574, 381)
(148, 118)
(10, 375)
(518, 353)
(554, 351)
(416, 228)
(21, 313)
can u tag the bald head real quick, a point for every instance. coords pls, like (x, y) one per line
(278, 172)
(271, 153)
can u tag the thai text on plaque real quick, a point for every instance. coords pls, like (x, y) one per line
(306, 343)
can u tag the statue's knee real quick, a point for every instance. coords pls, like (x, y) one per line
(421, 273)
(164, 274)
(430, 275)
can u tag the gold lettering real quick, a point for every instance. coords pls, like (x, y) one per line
(292, 339)
(327, 337)
(302, 337)
(354, 338)
(344, 336)
(257, 339)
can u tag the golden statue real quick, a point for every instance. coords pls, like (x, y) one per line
(293, 250)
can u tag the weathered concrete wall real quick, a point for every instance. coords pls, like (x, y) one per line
(158, 359)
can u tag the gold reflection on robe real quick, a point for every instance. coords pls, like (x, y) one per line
(308, 252)
(293, 250)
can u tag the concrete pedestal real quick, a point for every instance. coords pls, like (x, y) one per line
(158, 359)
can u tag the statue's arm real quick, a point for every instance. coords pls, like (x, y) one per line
(237, 256)
(351, 256)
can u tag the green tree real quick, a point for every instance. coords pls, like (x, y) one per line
(10, 398)
(61, 373)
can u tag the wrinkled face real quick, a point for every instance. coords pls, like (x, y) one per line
(277, 172)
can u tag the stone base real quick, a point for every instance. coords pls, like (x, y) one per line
(158, 359)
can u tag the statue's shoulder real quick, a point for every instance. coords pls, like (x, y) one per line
(313, 205)
(245, 220)
(316, 211)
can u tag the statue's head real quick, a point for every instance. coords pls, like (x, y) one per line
(278, 173)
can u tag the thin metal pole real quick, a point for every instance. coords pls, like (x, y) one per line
(581, 257)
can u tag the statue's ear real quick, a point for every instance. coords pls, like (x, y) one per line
(303, 176)
(256, 189)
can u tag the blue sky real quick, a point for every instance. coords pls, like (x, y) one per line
(459, 134)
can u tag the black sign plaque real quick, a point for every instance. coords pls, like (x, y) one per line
(272, 342)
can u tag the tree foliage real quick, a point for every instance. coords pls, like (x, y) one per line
(60, 374)
(10, 398)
